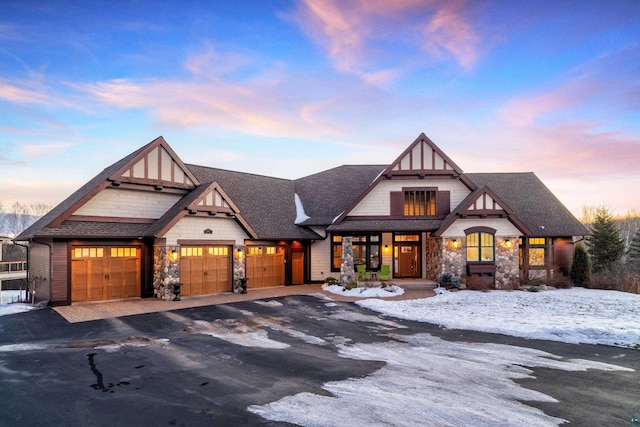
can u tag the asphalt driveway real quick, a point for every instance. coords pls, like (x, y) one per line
(207, 365)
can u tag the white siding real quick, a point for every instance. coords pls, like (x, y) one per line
(321, 261)
(378, 201)
(192, 228)
(114, 202)
(502, 225)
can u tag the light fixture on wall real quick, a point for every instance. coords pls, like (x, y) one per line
(507, 243)
(174, 253)
(240, 253)
(386, 248)
(455, 243)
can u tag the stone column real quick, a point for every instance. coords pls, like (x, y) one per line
(507, 263)
(166, 271)
(347, 269)
(239, 262)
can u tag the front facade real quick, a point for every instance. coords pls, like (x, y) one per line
(150, 222)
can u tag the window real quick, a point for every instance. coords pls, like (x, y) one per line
(366, 251)
(123, 252)
(88, 252)
(419, 203)
(186, 252)
(480, 247)
(219, 251)
(537, 251)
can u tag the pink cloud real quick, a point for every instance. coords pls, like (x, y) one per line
(22, 95)
(349, 31)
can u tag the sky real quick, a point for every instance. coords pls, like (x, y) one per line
(290, 88)
(484, 389)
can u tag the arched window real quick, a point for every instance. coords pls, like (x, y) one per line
(480, 244)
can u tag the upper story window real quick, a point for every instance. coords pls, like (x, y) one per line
(419, 203)
(480, 245)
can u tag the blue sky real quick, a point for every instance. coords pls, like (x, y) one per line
(290, 88)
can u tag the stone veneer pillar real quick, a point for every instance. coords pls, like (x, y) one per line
(166, 272)
(454, 260)
(239, 263)
(507, 263)
(347, 269)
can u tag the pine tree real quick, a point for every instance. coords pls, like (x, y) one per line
(606, 247)
(634, 252)
(581, 268)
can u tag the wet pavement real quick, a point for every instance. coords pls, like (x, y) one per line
(205, 365)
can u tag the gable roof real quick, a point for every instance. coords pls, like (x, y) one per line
(325, 195)
(267, 204)
(124, 170)
(207, 198)
(534, 204)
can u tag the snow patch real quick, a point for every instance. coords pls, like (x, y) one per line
(365, 291)
(574, 315)
(301, 216)
(429, 381)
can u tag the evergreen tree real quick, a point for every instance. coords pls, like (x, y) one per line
(581, 268)
(634, 252)
(606, 247)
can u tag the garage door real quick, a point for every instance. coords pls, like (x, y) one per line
(104, 272)
(205, 270)
(265, 266)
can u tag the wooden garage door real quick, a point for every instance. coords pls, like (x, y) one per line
(265, 266)
(104, 272)
(205, 270)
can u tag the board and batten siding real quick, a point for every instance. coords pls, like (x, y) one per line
(114, 202)
(39, 266)
(192, 228)
(378, 201)
(60, 286)
(503, 227)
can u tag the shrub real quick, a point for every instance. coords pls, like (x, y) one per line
(581, 268)
(448, 281)
(332, 281)
(350, 285)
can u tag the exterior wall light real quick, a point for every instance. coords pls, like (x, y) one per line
(174, 253)
(507, 243)
(455, 243)
(240, 253)
(386, 249)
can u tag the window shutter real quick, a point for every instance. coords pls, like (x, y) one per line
(397, 203)
(444, 202)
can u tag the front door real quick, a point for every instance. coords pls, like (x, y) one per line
(407, 260)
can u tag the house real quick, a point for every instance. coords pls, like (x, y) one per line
(150, 222)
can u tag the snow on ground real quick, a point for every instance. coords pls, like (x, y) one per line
(429, 381)
(9, 304)
(576, 315)
(365, 291)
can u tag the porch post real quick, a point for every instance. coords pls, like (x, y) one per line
(347, 269)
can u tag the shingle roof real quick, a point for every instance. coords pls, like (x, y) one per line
(325, 195)
(94, 229)
(37, 228)
(266, 203)
(533, 203)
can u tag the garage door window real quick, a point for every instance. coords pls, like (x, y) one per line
(123, 252)
(219, 251)
(190, 252)
(88, 253)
